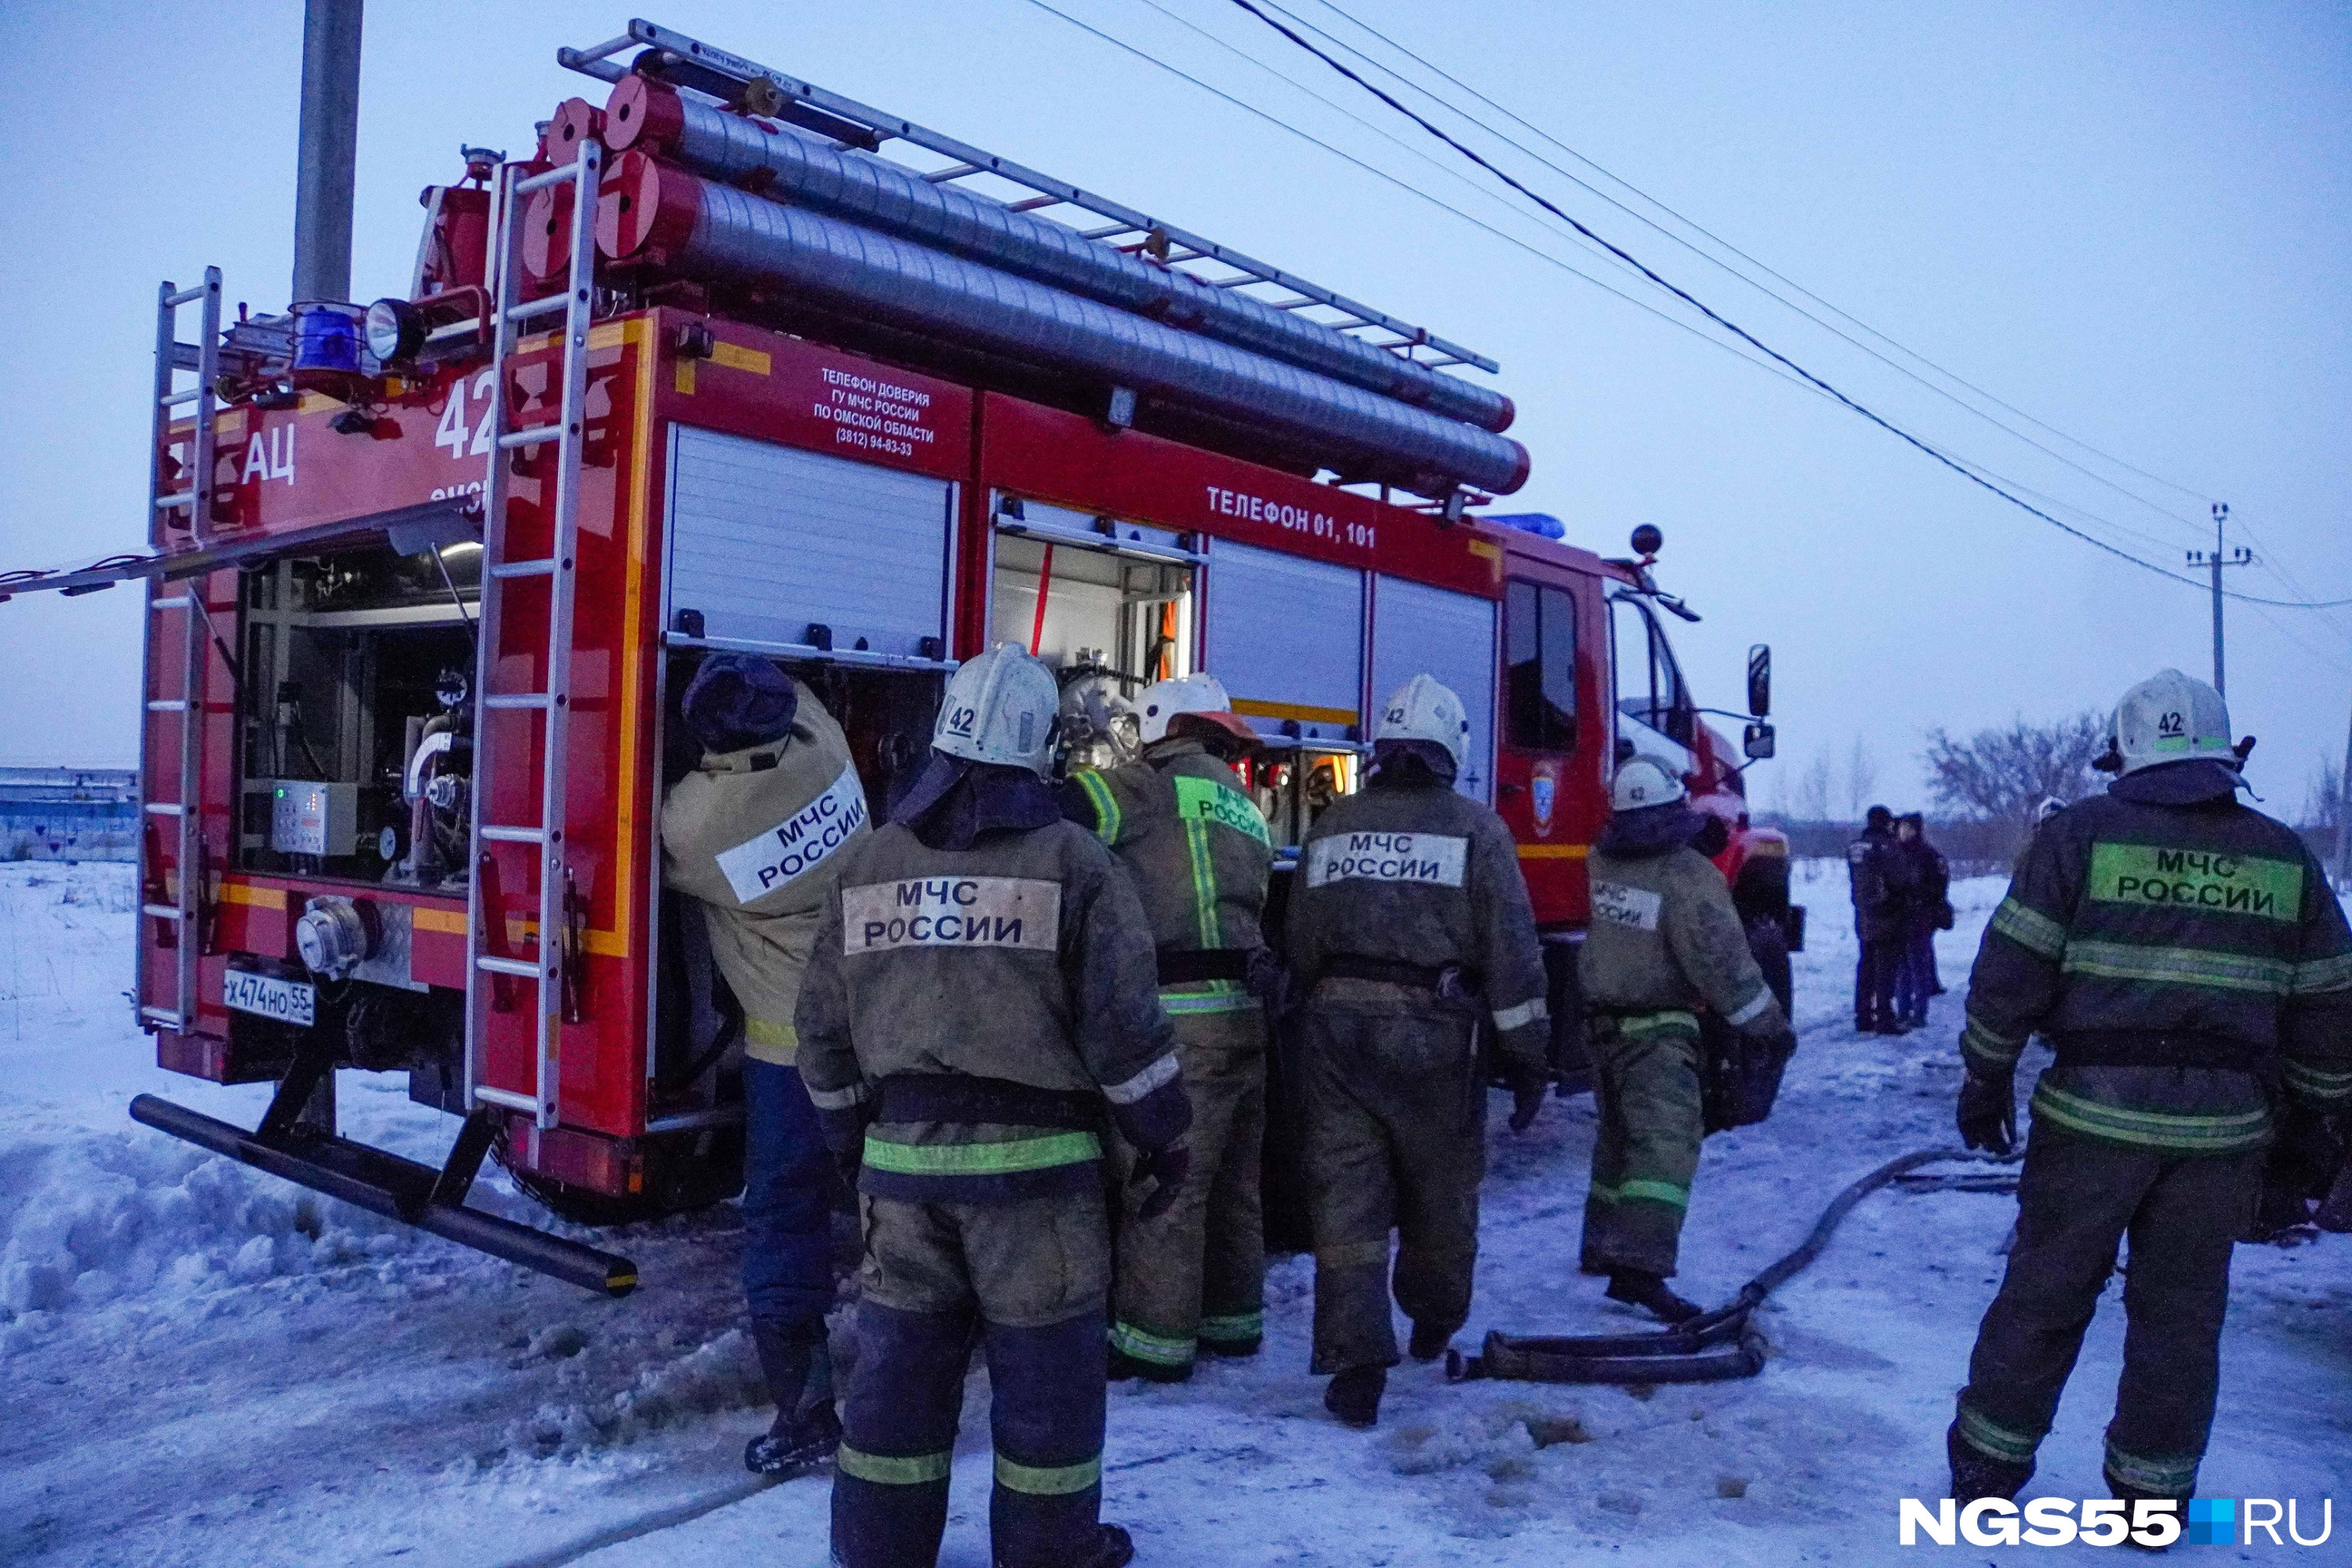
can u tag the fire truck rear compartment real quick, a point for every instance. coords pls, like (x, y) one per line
(352, 665)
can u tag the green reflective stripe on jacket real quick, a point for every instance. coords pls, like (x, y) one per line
(2177, 966)
(2219, 1134)
(892, 1469)
(1105, 804)
(1989, 1436)
(1048, 1480)
(1980, 1044)
(1145, 1345)
(1204, 880)
(1639, 1190)
(2315, 975)
(1036, 1153)
(1208, 997)
(2029, 928)
(1643, 1025)
(2317, 1084)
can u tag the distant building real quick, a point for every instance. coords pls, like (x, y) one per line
(68, 814)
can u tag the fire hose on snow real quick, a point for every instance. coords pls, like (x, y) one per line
(1715, 1346)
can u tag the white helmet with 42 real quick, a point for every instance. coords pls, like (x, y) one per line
(1644, 781)
(1426, 708)
(2170, 718)
(999, 708)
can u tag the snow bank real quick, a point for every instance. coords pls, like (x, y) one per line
(216, 1366)
(87, 1220)
(721, 1375)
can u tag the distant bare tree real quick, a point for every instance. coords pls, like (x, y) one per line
(2322, 806)
(2001, 774)
(1812, 796)
(1861, 778)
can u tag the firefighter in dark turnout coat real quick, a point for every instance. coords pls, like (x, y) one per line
(1664, 941)
(1181, 822)
(1409, 929)
(2180, 952)
(982, 994)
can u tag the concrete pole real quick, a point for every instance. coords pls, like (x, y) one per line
(2344, 818)
(2213, 564)
(325, 161)
(328, 150)
(2220, 681)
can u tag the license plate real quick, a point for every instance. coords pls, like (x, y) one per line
(267, 997)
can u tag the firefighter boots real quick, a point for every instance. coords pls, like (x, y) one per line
(797, 1367)
(1354, 1395)
(1649, 1292)
(1977, 1474)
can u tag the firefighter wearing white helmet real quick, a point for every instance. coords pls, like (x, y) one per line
(1181, 819)
(1665, 941)
(2186, 959)
(1409, 931)
(980, 1002)
(1645, 782)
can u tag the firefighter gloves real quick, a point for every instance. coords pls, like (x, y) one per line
(1167, 1167)
(1987, 1113)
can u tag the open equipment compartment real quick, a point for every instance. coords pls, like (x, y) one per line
(772, 549)
(355, 716)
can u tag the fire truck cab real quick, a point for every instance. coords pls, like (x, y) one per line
(427, 582)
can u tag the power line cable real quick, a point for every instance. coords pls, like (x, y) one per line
(2090, 517)
(2093, 518)
(1536, 251)
(1741, 332)
(1760, 266)
(1483, 192)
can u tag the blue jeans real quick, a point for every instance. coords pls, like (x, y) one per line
(787, 1218)
(1915, 976)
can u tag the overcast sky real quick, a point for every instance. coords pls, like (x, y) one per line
(2132, 221)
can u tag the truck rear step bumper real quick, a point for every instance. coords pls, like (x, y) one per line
(387, 1184)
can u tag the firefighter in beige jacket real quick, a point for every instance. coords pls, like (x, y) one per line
(753, 836)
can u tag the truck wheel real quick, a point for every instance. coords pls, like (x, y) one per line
(689, 1172)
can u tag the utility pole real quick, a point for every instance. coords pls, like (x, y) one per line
(326, 157)
(328, 150)
(2344, 819)
(2220, 558)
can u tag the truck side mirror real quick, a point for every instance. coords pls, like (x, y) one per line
(1759, 743)
(1759, 681)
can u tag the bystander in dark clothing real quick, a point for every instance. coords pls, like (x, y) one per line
(1927, 909)
(1880, 880)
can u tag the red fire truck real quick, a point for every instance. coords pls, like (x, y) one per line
(709, 370)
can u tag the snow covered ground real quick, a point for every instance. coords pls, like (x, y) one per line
(203, 1364)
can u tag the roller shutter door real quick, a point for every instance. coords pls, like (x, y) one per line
(1421, 630)
(766, 540)
(1287, 637)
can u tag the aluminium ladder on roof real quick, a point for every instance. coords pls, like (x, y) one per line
(1129, 229)
(542, 974)
(185, 886)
